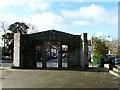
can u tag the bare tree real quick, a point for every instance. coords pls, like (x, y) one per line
(114, 47)
(32, 29)
(3, 27)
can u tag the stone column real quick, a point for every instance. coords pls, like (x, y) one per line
(68, 57)
(84, 51)
(60, 55)
(16, 58)
(44, 55)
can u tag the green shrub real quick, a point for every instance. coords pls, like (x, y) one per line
(95, 60)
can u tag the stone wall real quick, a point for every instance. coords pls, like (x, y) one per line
(28, 53)
(16, 57)
(74, 59)
(25, 54)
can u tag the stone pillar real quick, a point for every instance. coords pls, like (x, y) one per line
(60, 55)
(84, 51)
(68, 57)
(43, 47)
(16, 58)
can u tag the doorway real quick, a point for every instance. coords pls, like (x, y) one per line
(65, 56)
(39, 56)
(52, 54)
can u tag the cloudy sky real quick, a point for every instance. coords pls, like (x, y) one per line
(80, 16)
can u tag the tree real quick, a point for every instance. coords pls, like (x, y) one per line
(100, 49)
(4, 29)
(32, 28)
(114, 47)
(20, 27)
(8, 38)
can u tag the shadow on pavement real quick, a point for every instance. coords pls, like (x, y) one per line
(90, 69)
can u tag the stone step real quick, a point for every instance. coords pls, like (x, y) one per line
(116, 70)
(118, 66)
(114, 73)
(106, 66)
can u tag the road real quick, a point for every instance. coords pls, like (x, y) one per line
(53, 63)
(50, 63)
(6, 63)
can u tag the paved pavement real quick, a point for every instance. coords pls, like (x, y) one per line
(74, 78)
(27, 78)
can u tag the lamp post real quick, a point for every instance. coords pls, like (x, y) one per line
(111, 38)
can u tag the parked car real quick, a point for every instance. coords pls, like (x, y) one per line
(6, 56)
(48, 57)
(118, 56)
(114, 60)
(109, 59)
(54, 56)
(63, 55)
(117, 61)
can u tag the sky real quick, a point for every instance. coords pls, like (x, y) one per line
(95, 17)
